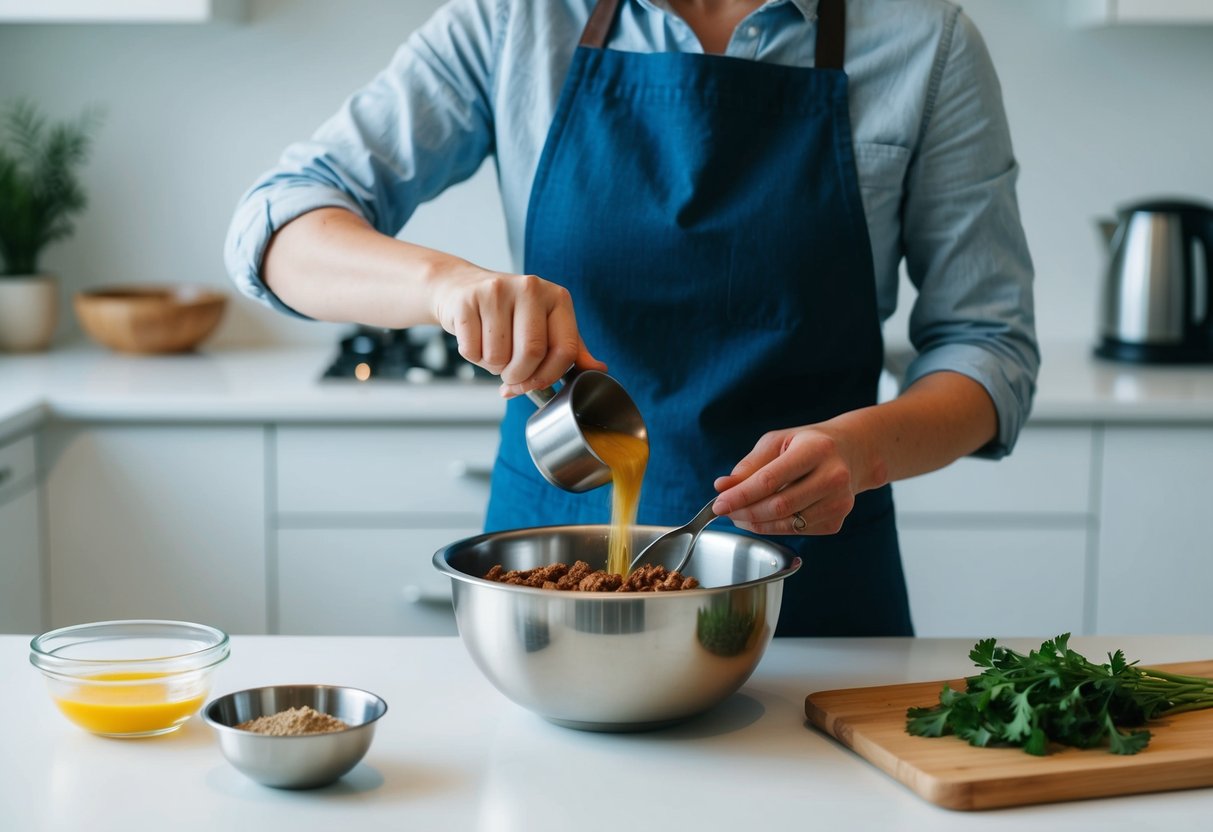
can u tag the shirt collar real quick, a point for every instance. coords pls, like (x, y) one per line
(808, 8)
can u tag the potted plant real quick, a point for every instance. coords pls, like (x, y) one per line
(40, 192)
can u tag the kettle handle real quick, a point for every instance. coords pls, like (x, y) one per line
(1204, 232)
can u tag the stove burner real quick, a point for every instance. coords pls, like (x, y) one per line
(416, 355)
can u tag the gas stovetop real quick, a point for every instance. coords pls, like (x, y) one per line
(418, 355)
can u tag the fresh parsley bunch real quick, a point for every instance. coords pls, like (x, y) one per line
(1055, 694)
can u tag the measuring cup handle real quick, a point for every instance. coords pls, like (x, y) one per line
(545, 394)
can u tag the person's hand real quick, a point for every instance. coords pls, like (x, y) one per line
(520, 327)
(796, 481)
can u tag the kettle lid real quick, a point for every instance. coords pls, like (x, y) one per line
(1167, 206)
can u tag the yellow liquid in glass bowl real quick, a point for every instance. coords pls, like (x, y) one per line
(130, 710)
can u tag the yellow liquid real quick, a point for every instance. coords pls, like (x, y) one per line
(627, 458)
(150, 708)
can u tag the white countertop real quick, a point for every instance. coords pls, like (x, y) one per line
(282, 384)
(453, 754)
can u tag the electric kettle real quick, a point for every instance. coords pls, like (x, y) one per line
(1157, 304)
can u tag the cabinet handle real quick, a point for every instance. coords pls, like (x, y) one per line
(416, 594)
(463, 469)
(5, 473)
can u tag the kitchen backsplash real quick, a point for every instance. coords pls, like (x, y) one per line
(1099, 117)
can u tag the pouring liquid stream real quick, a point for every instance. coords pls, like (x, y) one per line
(627, 457)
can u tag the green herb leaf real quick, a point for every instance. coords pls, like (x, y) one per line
(1129, 742)
(1020, 725)
(1056, 695)
(982, 653)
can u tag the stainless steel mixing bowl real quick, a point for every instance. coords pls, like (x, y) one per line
(616, 661)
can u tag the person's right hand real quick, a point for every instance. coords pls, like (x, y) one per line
(520, 327)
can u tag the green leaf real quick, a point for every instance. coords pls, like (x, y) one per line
(982, 653)
(1038, 743)
(979, 736)
(1056, 695)
(1062, 643)
(40, 190)
(927, 722)
(1022, 723)
(1128, 742)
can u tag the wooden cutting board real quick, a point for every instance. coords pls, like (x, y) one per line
(951, 773)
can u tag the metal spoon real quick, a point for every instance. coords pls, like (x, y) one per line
(676, 546)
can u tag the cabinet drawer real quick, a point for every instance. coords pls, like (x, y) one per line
(1049, 472)
(960, 583)
(364, 581)
(385, 469)
(17, 465)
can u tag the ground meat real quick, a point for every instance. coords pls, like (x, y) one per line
(580, 578)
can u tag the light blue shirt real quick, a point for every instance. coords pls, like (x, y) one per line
(936, 170)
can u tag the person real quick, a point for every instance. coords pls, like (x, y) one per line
(711, 199)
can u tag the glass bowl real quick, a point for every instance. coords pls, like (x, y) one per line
(129, 678)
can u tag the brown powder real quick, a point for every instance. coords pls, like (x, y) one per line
(294, 722)
(580, 578)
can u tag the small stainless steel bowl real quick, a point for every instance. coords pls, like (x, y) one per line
(299, 762)
(616, 661)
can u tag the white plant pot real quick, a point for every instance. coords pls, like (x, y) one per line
(29, 310)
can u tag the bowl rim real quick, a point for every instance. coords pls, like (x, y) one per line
(441, 563)
(54, 665)
(150, 292)
(220, 726)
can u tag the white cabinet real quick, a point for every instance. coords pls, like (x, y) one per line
(364, 581)
(1128, 12)
(1047, 474)
(119, 11)
(414, 469)
(152, 521)
(360, 511)
(1156, 531)
(330, 529)
(1003, 548)
(990, 581)
(21, 590)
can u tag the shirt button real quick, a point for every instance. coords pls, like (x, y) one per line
(752, 31)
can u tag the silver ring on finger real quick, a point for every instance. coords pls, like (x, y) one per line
(798, 522)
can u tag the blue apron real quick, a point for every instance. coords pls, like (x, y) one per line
(704, 212)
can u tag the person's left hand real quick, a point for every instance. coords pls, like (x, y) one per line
(796, 481)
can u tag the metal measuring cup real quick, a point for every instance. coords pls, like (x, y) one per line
(554, 433)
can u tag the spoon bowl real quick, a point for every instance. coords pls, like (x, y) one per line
(673, 549)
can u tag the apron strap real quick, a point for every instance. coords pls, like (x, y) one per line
(831, 30)
(831, 33)
(598, 27)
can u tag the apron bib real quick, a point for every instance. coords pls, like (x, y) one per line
(704, 212)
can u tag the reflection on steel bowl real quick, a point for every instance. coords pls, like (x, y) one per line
(616, 661)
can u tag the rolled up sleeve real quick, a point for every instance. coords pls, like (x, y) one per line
(964, 243)
(423, 124)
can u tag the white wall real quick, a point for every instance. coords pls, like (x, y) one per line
(1099, 117)
(195, 114)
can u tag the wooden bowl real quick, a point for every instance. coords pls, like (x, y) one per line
(149, 319)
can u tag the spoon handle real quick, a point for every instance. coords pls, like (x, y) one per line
(700, 521)
(697, 525)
